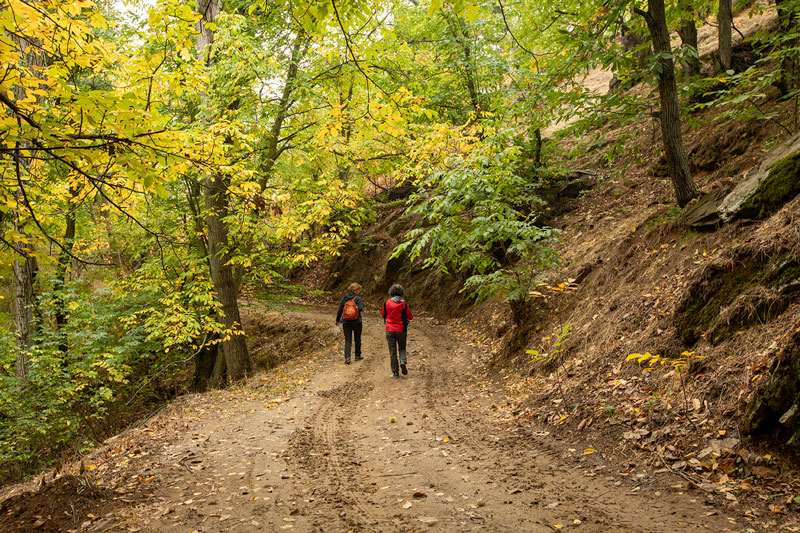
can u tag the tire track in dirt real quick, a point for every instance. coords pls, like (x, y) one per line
(317, 451)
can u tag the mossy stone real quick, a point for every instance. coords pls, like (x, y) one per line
(781, 185)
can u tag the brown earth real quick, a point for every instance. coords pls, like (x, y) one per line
(320, 446)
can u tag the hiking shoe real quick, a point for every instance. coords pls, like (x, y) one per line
(403, 369)
(396, 376)
(359, 358)
(347, 362)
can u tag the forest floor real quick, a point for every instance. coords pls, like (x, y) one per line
(317, 445)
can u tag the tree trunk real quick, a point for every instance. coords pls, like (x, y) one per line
(346, 132)
(204, 365)
(537, 151)
(25, 265)
(672, 139)
(787, 14)
(25, 268)
(237, 359)
(61, 274)
(688, 34)
(633, 44)
(724, 37)
(470, 78)
(299, 47)
(460, 32)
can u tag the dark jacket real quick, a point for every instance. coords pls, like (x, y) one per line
(359, 305)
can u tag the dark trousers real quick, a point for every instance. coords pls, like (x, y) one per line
(397, 343)
(352, 329)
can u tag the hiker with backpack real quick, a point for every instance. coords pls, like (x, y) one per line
(396, 315)
(349, 314)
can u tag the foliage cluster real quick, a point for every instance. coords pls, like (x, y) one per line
(480, 219)
(68, 399)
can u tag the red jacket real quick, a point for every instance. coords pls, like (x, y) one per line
(392, 314)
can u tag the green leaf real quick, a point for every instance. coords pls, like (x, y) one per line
(161, 191)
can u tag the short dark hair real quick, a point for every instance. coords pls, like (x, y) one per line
(397, 290)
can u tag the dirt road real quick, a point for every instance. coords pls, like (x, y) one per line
(352, 449)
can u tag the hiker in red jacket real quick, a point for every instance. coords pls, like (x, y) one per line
(349, 314)
(396, 315)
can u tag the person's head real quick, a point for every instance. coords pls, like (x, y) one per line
(355, 288)
(397, 290)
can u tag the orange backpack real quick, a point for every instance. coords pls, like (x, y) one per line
(350, 311)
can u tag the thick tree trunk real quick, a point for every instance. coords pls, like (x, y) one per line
(724, 37)
(204, 365)
(237, 359)
(25, 268)
(688, 34)
(218, 373)
(677, 161)
(25, 265)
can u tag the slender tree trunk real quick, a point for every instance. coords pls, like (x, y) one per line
(195, 201)
(688, 34)
(787, 18)
(299, 47)
(724, 37)
(460, 32)
(677, 161)
(236, 357)
(346, 132)
(537, 153)
(633, 44)
(62, 268)
(470, 77)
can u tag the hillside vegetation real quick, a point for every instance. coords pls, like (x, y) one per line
(628, 253)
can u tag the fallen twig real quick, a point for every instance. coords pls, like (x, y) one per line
(684, 475)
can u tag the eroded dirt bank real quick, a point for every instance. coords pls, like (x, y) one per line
(351, 449)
